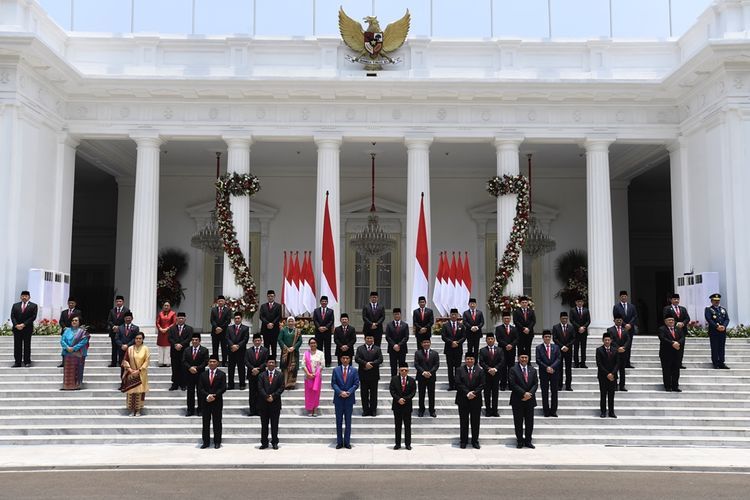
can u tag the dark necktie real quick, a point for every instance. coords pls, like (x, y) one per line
(525, 375)
(211, 377)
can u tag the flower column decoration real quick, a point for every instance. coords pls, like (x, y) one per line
(237, 185)
(499, 186)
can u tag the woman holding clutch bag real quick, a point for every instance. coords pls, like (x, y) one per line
(135, 376)
(313, 366)
(75, 343)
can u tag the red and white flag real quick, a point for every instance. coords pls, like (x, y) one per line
(441, 298)
(308, 284)
(421, 285)
(328, 255)
(437, 289)
(285, 283)
(462, 299)
(293, 298)
(467, 276)
(452, 296)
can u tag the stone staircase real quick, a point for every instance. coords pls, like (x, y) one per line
(713, 410)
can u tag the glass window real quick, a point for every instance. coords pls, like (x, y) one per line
(384, 281)
(685, 13)
(628, 19)
(224, 17)
(393, 10)
(453, 19)
(163, 16)
(527, 19)
(361, 281)
(373, 274)
(111, 16)
(218, 275)
(59, 10)
(580, 18)
(294, 19)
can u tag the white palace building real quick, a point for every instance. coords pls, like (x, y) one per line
(639, 150)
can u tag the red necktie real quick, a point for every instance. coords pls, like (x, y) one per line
(403, 384)
(422, 314)
(549, 356)
(211, 377)
(525, 375)
(453, 324)
(345, 370)
(507, 330)
(471, 372)
(619, 333)
(270, 378)
(671, 330)
(492, 353)
(525, 314)
(474, 315)
(426, 355)
(195, 353)
(256, 353)
(677, 311)
(127, 331)
(23, 306)
(609, 352)
(180, 329)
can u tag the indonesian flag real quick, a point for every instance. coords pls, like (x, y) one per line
(441, 285)
(308, 284)
(294, 292)
(285, 283)
(451, 296)
(461, 298)
(328, 255)
(467, 276)
(421, 284)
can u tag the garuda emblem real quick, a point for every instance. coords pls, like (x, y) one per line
(373, 45)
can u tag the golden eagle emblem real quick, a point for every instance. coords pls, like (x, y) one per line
(373, 45)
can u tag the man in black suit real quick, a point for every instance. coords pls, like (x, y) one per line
(454, 336)
(238, 335)
(179, 336)
(473, 321)
(22, 316)
(211, 387)
(548, 359)
(373, 317)
(671, 342)
(523, 383)
(621, 340)
(323, 319)
(563, 335)
(506, 337)
(492, 361)
(607, 365)
(469, 387)
(369, 358)
(681, 319)
(397, 336)
(344, 336)
(580, 318)
(426, 362)
(270, 388)
(402, 388)
(255, 362)
(422, 320)
(629, 316)
(116, 318)
(194, 360)
(524, 319)
(125, 336)
(65, 316)
(221, 315)
(270, 322)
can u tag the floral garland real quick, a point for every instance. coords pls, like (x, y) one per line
(499, 186)
(237, 185)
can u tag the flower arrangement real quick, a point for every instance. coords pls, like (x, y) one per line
(304, 324)
(499, 186)
(237, 185)
(736, 332)
(47, 327)
(6, 329)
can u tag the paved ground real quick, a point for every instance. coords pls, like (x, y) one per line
(352, 485)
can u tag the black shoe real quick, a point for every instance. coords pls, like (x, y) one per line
(374, 413)
(722, 366)
(583, 365)
(397, 447)
(451, 388)
(183, 388)
(189, 413)
(217, 446)
(365, 413)
(576, 365)
(569, 389)
(676, 389)
(529, 445)
(16, 365)
(623, 389)
(263, 447)
(496, 414)
(629, 366)
(546, 414)
(475, 445)
(348, 446)
(420, 413)
(275, 446)
(339, 446)
(487, 413)
(553, 415)
(519, 445)
(204, 446)
(111, 365)
(668, 389)
(408, 447)
(682, 367)
(462, 446)
(612, 415)
(61, 365)
(433, 414)
(200, 413)
(230, 388)
(242, 387)
(28, 365)
(224, 364)
(173, 388)
(603, 415)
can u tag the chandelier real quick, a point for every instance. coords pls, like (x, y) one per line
(208, 238)
(372, 241)
(537, 241)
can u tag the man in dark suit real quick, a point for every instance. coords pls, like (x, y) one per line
(373, 317)
(179, 336)
(426, 362)
(125, 336)
(523, 383)
(469, 387)
(238, 335)
(563, 335)
(116, 318)
(270, 388)
(506, 336)
(621, 340)
(323, 320)
(422, 320)
(65, 316)
(681, 318)
(473, 321)
(454, 336)
(402, 388)
(344, 336)
(344, 382)
(629, 316)
(524, 319)
(717, 320)
(492, 361)
(548, 359)
(211, 387)
(607, 366)
(194, 360)
(255, 362)
(397, 336)
(369, 358)
(671, 341)
(221, 315)
(580, 318)
(270, 322)
(22, 316)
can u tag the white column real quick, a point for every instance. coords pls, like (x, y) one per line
(507, 164)
(599, 233)
(145, 232)
(238, 160)
(418, 182)
(678, 164)
(63, 203)
(329, 152)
